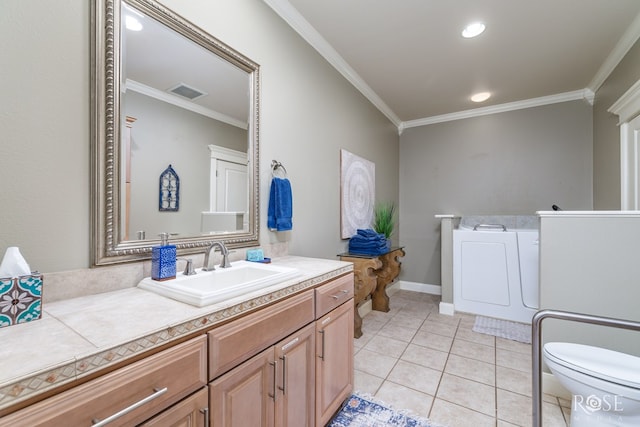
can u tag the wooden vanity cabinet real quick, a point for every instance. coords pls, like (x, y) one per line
(273, 388)
(192, 411)
(334, 346)
(299, 381)
(138, 391)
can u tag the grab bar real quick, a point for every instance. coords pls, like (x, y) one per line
(489, 226)
(536, 336)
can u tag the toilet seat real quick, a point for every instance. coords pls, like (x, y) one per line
(608, 365)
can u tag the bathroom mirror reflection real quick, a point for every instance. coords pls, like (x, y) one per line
(167, 93)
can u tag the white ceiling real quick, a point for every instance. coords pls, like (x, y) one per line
(409, 59)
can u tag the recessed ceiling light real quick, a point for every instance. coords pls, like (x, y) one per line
(473, 30)
(481, 96)
(132, 23)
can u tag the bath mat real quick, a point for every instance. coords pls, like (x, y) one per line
(361, 410)
(503, 328)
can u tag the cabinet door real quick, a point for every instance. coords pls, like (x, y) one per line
(295, 403)
(190, 412)
(244, 396)
(334, 362)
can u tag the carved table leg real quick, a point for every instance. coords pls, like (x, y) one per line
(386, 274)
(364, 283)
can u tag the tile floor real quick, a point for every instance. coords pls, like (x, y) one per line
(434, 365)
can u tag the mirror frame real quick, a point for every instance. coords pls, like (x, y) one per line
(106, 134)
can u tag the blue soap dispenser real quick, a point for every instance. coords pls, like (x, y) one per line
(163, 259)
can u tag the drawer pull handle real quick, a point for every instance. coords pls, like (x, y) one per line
(284, 370)
(344, 291)
(275, 367)
(157, 393)
(205, 412)
(322, 353)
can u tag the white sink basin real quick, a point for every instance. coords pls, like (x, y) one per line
(209, 287)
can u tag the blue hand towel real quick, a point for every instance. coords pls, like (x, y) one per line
(280, 213)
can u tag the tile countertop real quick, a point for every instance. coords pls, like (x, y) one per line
(80, 336)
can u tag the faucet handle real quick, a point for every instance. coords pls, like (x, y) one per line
(188, 268)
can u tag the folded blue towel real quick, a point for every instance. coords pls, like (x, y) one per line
(367, 242)
(280, 212)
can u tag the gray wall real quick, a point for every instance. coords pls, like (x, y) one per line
(309, 112)
(606, 133)
(512, 163)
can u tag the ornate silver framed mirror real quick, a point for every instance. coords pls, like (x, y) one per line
(165, 92)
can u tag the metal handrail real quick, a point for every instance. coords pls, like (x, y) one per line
(536, 336)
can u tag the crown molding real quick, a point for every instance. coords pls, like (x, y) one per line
(292, 17)
(296, 21)
(584, 94)
(628, 105)
(183, 103)
(626, 42)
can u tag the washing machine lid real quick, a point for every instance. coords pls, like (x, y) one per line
(612, 366)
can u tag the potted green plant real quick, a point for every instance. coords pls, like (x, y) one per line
(384, 220)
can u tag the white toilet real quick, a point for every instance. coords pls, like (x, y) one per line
(605, 384)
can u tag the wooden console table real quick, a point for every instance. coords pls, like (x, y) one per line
(372, 274)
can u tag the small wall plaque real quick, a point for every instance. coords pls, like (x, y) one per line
(169, 199)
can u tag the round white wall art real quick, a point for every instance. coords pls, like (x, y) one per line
(357, 193)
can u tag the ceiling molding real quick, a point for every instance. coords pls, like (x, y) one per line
(627, 106)
(584, 94)
(626, 42)
(292, 17)
(183, 103)
(296, 21)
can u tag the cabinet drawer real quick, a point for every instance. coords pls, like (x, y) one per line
(332, 294)
(235, 342)
(168, 376)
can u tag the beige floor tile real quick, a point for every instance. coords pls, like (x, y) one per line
(406, 321)
(431, 340)
(371, 326)
(401, 397)
(471, 369)
(439, 328)
(387, 346)
(397, 332)
(470, 394)
(478, 338)
(366, 383)
(511, 345)
(472, 350)
(415, 376)
(502, 423)
(517, 409)
(444, 318)
(513, 360)
(425, 356)
(514, 380)
(373, 363)
(452, 415)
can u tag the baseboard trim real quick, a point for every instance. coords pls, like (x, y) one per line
(447, 308)
(420, 287)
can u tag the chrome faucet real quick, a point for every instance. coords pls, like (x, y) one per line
(225, 256)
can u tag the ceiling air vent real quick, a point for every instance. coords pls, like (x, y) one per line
(187, 91)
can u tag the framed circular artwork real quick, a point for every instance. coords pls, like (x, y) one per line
(357, 193)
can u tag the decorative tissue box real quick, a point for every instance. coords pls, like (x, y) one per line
(20, 299)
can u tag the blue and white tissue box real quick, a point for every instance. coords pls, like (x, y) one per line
(20, 299)
(255, 255)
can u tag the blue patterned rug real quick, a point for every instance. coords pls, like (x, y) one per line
(363, 411)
